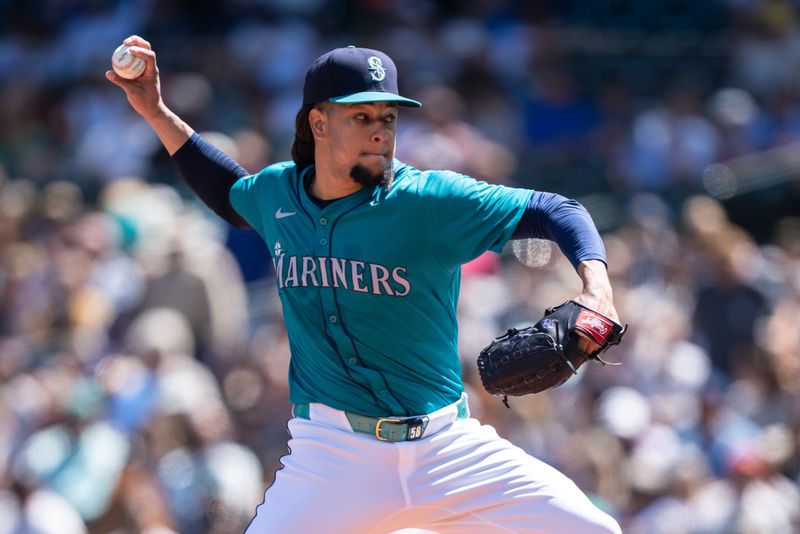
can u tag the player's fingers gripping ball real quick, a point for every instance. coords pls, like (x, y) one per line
(545, 355)
(126, 65)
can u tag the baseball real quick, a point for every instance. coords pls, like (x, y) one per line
(125, 65)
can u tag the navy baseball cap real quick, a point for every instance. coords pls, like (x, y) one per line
(353, 75)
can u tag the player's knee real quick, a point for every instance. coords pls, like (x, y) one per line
(587, 520)
(610, 526)
(598, 522)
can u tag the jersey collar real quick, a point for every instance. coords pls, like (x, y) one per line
(339, 205)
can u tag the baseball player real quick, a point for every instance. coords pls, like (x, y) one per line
(367, 254)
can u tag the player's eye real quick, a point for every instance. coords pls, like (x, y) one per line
(360, 117)
(388, 119)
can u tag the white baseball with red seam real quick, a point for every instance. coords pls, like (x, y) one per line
(126, 65)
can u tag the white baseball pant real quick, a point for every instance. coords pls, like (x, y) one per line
(460, 478)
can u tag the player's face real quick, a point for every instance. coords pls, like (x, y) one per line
(361, 139)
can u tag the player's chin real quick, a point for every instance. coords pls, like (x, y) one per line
(367, 176)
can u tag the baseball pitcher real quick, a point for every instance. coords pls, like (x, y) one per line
(367, 254)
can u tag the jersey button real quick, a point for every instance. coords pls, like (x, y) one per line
(323, 221)
(382, 393)
(353, 361)
(332, 318)
(323, 241)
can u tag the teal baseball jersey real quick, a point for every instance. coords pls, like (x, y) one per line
(369, 283)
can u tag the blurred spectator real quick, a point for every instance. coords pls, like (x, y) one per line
(670, 145)
(729, 305)
(556, 116)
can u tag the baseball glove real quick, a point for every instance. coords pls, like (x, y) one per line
(545, 355)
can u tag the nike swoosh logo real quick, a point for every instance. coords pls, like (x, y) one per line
(281, 214)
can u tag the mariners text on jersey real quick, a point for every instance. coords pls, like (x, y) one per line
(356, 275)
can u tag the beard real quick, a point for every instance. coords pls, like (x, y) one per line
(362, 175)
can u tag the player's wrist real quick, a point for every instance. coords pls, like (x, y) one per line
(170, 129)
(158, 112)
(594, 276)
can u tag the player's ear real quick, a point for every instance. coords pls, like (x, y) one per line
(318, 121)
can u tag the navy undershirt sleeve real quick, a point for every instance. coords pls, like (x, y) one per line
(211, 174)
(565, 221)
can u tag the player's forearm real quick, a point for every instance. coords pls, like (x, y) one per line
(596, 294)
(210, 173)
(594, 276)
(170, 129)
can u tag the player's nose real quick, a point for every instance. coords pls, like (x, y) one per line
(381, 134)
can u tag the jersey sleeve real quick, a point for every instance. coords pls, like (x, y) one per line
(248, 195)
(243, 195)
(464, 217)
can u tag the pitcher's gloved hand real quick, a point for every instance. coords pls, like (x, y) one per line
(545, 355)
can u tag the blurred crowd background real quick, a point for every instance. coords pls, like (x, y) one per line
(143, 359)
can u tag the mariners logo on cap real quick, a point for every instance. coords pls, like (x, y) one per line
(376, 69)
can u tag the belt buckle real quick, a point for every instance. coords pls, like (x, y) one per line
(414, 429)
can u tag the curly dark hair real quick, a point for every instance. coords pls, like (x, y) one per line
(303, 144)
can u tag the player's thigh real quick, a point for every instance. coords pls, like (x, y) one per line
(528, 515)
(474, 477)
(331, 481)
